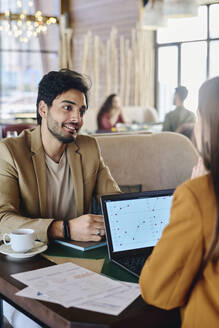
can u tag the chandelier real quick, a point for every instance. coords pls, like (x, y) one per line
(24, 26)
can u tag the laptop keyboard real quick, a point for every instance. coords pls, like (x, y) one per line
(134, 264)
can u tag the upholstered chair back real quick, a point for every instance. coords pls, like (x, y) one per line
(154, 161)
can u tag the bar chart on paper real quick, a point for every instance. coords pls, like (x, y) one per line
(139, 222)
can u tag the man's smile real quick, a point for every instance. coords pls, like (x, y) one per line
(71, 127)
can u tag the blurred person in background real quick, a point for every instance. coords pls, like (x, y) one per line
(180, 114)
(187, 129)
(110, 113)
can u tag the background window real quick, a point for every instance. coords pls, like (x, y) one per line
(195, 42)
(23, 64)
(184, 29)
(214, 21)
(193, 70)
(167, 77)
(214, 58)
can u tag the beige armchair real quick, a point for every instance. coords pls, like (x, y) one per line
(156, 161)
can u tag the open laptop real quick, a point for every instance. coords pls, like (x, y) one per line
(134, 223)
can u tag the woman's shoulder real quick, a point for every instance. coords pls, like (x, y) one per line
(201, 181)
(201, 187)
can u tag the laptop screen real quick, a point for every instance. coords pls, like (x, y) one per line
(136, 220)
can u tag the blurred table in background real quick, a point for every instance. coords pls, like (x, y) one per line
(134, 128)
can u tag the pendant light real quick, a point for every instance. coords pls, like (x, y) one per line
(180, 8)
(153, 15)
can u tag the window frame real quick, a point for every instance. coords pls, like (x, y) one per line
(179, 44)
(18, 50)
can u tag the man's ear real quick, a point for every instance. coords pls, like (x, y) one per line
(43, 109)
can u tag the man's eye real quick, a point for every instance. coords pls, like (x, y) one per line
(67, 107)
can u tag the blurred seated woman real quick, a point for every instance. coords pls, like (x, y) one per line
(110, 113)
(183, 269)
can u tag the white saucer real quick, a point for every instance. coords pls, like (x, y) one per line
(38, 248)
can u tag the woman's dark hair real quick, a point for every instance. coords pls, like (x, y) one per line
(209, 111)
(105, 108)
(55, 83)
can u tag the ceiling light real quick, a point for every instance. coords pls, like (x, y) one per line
(180, 8)
(153, 15)
(24, 26)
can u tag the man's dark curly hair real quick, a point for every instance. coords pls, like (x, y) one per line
(55, 83)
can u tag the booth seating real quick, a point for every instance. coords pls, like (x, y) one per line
(153, 161)
(19, 127)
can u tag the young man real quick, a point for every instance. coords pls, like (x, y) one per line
(48, 175)
(180, 115)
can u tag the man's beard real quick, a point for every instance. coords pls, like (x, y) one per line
(52, 126)
(64, 140)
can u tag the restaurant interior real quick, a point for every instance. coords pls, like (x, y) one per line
(140, 51)
(124, 47)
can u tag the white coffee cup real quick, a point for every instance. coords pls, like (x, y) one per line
(21, 240)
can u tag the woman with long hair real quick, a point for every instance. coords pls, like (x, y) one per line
(110, 113)
(183, 270)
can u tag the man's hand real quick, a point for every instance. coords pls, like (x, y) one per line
(88, 227)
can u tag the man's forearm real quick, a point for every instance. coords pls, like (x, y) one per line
(55, 230)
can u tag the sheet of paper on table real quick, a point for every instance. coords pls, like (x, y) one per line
(71, 285)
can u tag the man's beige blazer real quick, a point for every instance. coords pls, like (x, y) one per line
(23, 188)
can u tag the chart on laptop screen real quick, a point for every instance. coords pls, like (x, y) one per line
(138, 223)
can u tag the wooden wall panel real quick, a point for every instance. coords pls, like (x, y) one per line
(99, 17)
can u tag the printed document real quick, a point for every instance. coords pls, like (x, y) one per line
(71, 285)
